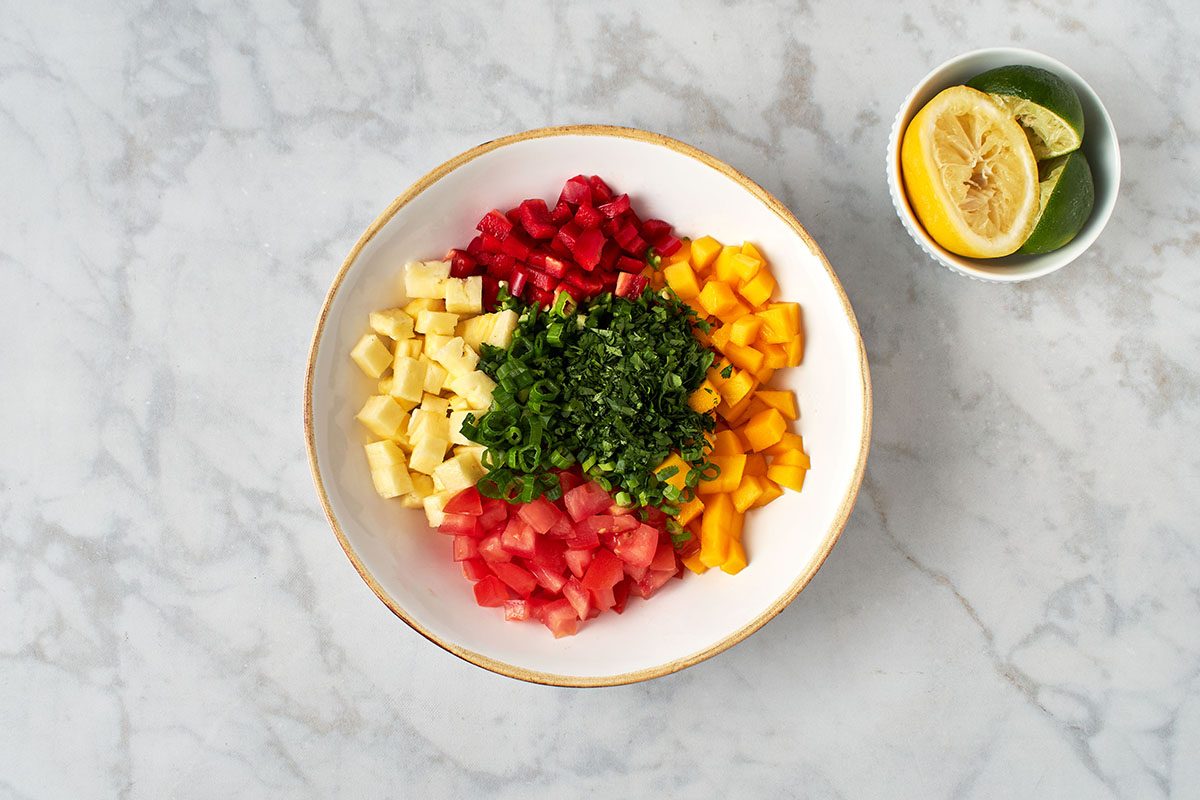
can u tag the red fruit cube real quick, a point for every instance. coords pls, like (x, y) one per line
(578, 597)
(465, 547)
(621, 595)
(474, 569)
(490, 592)
(547, 578)
(577, 191)
(468, 501)
(664, 557)
(629, 264)
(586, 500)
(560, 618)
(604, 571)
(583, 537)
(600, 191)
(588, 247)
(492, 551)
(578, 561)
(619, 205)
(635, 572)
(460, 525)
(518, 578)
(588, 217)
(540, 514)
(518, 539)
(568, 479)
(495, 224)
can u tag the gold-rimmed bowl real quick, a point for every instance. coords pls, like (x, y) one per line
(408, 565)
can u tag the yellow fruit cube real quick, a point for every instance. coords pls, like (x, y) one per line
(383, 454)
(689, 511)
(371, 355)
(435, 505)
(715, 530)
(791, 311)
(724, 268)
(791, 477)
(735, 390)
(749, 490)
(771, 491)
(435, 342)
(408, 379)
(744, 330)
(694, 563)
(475, 386)
(746, 266)
(392, 481)
(415, 307)
(756, 465)
(427, 454)
(392, 322)
(727, 443)
(758, 289)
(734, 313)
(410, 348)
(776, 327)
(705, 398)
(720, 372)
(682, 279)
(464, 295)
(795, 350)
(736, 561)
(434, 403)
(679, 478)
(782, 399)
(746, 358)
(704, 250)
(774, 355)
(435, 377)
(382, 416)
(503, 325)
(439, 322)
(385, 385)
(765, 428)
(422, 485)
(716, 298)
(732, 468)
(426, 278)
(749, 249)
(458, 473)
(719, 338)
(764, 375)
(788, 442)
(456, 356)
(682, 254)
(474, 330)
(425, 424)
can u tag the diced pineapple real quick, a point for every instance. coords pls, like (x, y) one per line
(434, 505)
(412, 499)
(385, 385)
(371, 355)
(439, 322)
(422, 485)
(475, 386)
(458, 403)
(408, 347)
(464, 295)
(473, 456)
(456, 357)
(392, 481)
(384, 454)
(435, 342)
(456, 421)
(475, 331)
(458, 473)
(503, 325)
(393, 323)
(431, 402)
(382, 416)
(409, 379)
(427, 454)
(425, 424)
(435, 378)
(403, 442)
(426, 278)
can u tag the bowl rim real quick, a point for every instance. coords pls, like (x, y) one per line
(670, 667)
(971, 267)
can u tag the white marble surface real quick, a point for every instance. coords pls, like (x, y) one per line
(1013, 611)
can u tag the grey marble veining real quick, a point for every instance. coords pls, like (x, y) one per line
(1013, 611)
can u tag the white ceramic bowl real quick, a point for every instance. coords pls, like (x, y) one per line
(1099, 145)
(408, 565)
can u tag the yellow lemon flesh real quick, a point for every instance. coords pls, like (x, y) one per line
(970, 174)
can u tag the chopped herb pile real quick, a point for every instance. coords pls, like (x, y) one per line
(608, 386)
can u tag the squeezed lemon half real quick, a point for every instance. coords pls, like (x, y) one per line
(970, 174)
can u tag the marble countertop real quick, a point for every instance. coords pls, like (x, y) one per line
(1013, 611)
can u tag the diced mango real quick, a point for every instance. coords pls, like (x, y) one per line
(734, 414)
(736, 312)
(392, 481)
(792, 311)
(746, 266)
(719, 338)
(732, 468)
(748, 248)
(771, 491)
(705, 398)
(744, 330)
(720, 372)
(789, 441)
(774, 355)
(724, 267)
(781, 399)
(689, 511)
(793, 458)
(715, 530)
(682, 280)
(704, 250)
(749, 490)
(679, 478)
(776, 328)
(694, 563)
(765, 429)
(795, 350)
(736, 560)
(382, 416)
(746, 358)
(758, 290)
(756, 465)
(426, 279)
(392, 322)
(764, 375)
(791, 477)
(716, 297)
(727, 443)
(372, 355)
(736, 389)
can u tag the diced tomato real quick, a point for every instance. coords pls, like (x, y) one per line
(540, 514)
(562, 528)
(561, 619)
(490, 592)
(569, 479)
(474, 569)
(664, 557)
(604, 597)
(495, 514)
(577, 561)
(654, 581)
(460, 525)
(637, 546)
(655, 518)
(587, 217)
(578, 190)
(537, 606)
(549, 580)
(630, 286)
(621, 595)
(518, 538)
(492, 551)
(494, 224)
(583, 537)
(468, 501)
(465, 547)
(516, 610)
(600, 191)
(586, 500)
(548, 552)
(616, 207)
(635, 572)
(604, 571)
(577, 596)
(520, 579)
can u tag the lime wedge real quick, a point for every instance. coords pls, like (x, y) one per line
(1066, 197)
(1045, 105)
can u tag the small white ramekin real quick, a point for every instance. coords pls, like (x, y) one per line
(1099, 145)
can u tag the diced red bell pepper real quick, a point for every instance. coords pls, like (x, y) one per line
(588, 283)
(555, 266)
(518, 538)
(474, 569)
(568, 234)
(578, 597)
(535, 219)
(499, 265)
(513, 215)
(516, 610)
(559, 247)
(560, 618)
(618, 206)
(577, 561)
(492, 551)
(600, 191)
(608, 281)
(655, 229)
(491, 290)
(490, 592)
(465, 547)
(495, 224)
(518, 578)
(468, 501)
(609, 256)
(462, 263)
(490, 244)
(587, 217)
(517, 246)
(667, 246)
(577, 191)
(561, 213)
(627, 237)
(476, 246)
(629, 285)
(541, 280)
(588, 247)
(630, 264)
(540, 296)
(517, 281)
